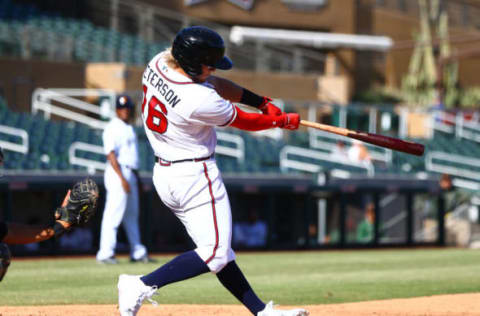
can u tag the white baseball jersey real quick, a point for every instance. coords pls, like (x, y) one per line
(179, 117)
(120, 206)
(121, 138)
(179, 114)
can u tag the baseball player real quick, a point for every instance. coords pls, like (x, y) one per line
(66, 217)
(121, 183)
(183, 102)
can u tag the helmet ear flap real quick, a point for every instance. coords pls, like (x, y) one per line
(188, 63)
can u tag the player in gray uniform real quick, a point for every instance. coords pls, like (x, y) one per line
(183, 102)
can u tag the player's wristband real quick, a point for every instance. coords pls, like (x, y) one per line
(58, 229)
(252, 99)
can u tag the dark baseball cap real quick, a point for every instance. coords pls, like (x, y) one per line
(124, 101)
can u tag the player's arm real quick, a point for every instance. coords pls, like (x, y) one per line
(118, 170)
(226, 88)
(235, 93)
(24, 234)
(258, 122)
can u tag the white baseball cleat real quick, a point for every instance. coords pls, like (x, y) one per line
(131, 294)
(270, 310)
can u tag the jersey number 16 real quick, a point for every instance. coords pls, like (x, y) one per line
(156, 119)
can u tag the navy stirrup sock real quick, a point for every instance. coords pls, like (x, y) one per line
(233, 280)
(185, 266)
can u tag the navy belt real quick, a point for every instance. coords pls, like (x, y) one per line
(164, 162)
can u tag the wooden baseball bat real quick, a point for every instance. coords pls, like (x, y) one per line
(375, 139)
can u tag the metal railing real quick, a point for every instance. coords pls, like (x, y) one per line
(456, 124)
(60, 102)
(463, 165)
(466, 184)
(288, 163)
(17, 132)
(317, 141)
(91, 164)
(468, 130)
(237, 152)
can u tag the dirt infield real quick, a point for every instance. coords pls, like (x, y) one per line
(441, 305)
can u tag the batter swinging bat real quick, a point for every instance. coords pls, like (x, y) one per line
(375, 139)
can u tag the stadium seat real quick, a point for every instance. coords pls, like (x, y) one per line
(91, 43)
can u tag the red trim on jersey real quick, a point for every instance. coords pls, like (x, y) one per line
(234, 115)
(214, 214)
(168, 79)
(256, 121)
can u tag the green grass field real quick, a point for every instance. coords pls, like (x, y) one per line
(295, 278)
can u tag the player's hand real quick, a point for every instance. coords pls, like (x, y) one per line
(290, 121)
(269, 108)
(125, 185)
(66, 225)
(64, 203)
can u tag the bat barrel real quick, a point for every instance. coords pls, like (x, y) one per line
(375, 139)
(390, 142)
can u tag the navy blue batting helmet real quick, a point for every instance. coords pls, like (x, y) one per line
(198, 45)
(124, 101)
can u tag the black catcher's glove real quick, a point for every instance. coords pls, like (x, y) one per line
(81, 205)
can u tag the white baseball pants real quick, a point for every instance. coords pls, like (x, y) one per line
(195, 192)
(120, 208)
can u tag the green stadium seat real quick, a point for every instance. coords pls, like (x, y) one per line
(94, 44)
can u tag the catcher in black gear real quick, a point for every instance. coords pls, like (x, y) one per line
(78, 206)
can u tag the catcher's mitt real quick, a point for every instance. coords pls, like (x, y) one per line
(81, 205)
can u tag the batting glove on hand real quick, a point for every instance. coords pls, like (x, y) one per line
(268, 108)
(290, 121)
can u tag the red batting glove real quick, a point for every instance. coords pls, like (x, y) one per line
(289, 121)
(267, 107)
